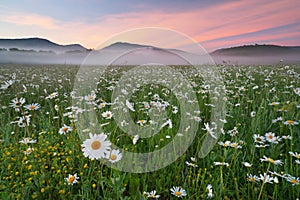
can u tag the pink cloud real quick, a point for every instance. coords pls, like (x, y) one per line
(30, 20)
(205, 25)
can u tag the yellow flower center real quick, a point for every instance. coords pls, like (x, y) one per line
(65, 129)
(234, 145)
(113, 157)
(270, 160)
(31, 107)
(294, 181)
(96, 145)
(71, 179)
(177, 193)
(290, 121)
(297, 156)
(270, 136)
(252, 179)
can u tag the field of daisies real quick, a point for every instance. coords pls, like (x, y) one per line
(43, 156)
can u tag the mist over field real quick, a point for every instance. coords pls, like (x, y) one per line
(41, 51)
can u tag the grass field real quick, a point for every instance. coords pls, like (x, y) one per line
(257, 155)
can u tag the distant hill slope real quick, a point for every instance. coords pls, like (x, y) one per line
(257, 55)
(123, 46)
(39, 44)
(258, 50)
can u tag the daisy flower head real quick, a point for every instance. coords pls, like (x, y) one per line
(209, 189)
(191, 164)
(23, 121)
(297, 91)
(16, 103)
(27, 141)
(221, 164)
(28, 151)
(107, 114)
(114, 156)
(225, 144)
(178, 191)
(290, 122)
(7, 84)
(141, 122)
(235, 145)
(259, 139)
(246, 164)
(71, 179)
(286, 137)
(270, 160)
(65, 129)
(274, 103)
(90, 97)
(135, 139)
(33, 106)
(210, 130)
(152, 194)
(293, 180)
(96, 147)
(266, 178)
(252, 178)
(295, 154)
(130, 105)
(52, 95)
(272, 138)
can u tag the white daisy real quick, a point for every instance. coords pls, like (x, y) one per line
(295, 154)
(27, 141)
(90, 97)
(96, 147)
(291, 122)
(221, 163)
(52, 95)
(178, 191)
(152, 194)
(252, 178)
(16, 103)
(266, 178)
(65, 129)
(293, 180)
(130, 106)
(33, 106)
(135, 139)
(114, 156)
(28, 151)
(275, 162)
(246, 164)
(107, 114)
(209, 189)
(71, 179)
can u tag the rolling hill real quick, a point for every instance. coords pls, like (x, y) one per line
(39, 44)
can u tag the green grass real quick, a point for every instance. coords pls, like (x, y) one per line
(41, 174)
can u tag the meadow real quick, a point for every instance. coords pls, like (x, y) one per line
(43, 156)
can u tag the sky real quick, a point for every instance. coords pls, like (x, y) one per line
(213, 24)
